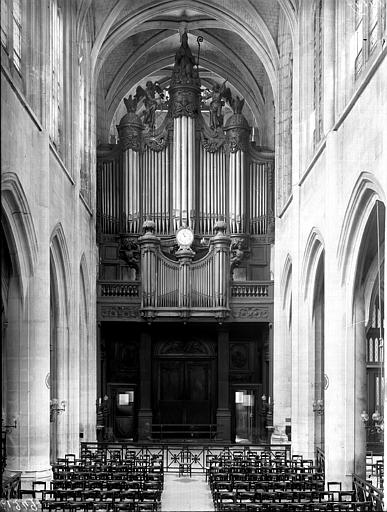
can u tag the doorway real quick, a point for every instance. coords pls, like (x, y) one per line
(248, 422)
(123, 410)
(185, 392)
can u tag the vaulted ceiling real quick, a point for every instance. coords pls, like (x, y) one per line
(136, 40)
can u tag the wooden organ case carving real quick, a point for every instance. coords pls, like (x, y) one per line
(185, 172)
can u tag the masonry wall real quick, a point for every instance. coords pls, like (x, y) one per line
(324, 181)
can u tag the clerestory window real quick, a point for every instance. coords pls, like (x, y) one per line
(11, 31)
(370, 29)
(56, 67)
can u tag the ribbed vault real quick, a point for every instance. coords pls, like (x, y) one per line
(136, 41)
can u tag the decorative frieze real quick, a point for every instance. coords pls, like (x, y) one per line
(119, 312)
(252, 313)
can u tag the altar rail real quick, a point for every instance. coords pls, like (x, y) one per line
(172, 453)
(367, 492)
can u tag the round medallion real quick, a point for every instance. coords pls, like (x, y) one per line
(185, 236)
(47, 380)
(326, 381)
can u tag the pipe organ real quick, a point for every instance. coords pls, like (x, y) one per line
(209, 178)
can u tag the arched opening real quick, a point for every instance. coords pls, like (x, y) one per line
(318, 317)
(368, 311)
(59, 349)
(53, 382)
(85, 420)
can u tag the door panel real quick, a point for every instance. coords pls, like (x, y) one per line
(123, 410)
(185, 391)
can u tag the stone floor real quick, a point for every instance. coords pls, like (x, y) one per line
(186, 493)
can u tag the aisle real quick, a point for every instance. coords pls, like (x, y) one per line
(185, 493)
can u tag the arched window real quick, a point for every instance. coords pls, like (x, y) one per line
(318, 72)
(370, 27)
(57, 83)
(11, 32)
(84, 107)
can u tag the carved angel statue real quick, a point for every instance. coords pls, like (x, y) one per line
(237, 104)
(217, 94)
(131, 103)
(150, 101)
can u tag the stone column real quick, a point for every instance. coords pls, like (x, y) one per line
(28, 345)
(223, 414)
(360, 384)
(338, 341)
(145, 411)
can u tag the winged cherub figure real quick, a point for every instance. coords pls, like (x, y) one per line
(150, 102)
(217, 94)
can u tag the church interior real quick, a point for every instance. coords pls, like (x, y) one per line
(193, 201)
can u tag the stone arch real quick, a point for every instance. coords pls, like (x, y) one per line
(286, 280)
(265, 49)
(365, 193)
(313, 250)
(19, 229)
(312, 291)
(356, 254)
(282, 350)
(85, 353)
(60, 288)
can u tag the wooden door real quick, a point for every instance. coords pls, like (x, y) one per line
(123, 399)
(185, 389)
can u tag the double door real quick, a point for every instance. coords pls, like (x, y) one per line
(184, 391)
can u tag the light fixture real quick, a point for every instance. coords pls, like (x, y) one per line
(56, 408)
(318, 407)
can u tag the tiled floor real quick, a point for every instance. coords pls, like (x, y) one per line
(186, 493)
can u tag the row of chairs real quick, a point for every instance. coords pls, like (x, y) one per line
(114, 484)
(275, 484)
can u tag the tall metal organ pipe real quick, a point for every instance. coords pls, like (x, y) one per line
(183, 172)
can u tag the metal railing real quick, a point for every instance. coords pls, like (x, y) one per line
(367, 492)
(172, 453)
(320, 460)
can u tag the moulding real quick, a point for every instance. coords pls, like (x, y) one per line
(316, 156)
(83, 200)
(61, 163)
(282, 212)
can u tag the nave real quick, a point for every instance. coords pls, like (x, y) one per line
(126, 478)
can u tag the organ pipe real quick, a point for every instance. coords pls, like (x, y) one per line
(183, 172)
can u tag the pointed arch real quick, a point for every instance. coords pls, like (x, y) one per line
(85, 284)
(366, 191)
(19, 228)
(286, 279)
(313, 251)
(61, 265)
